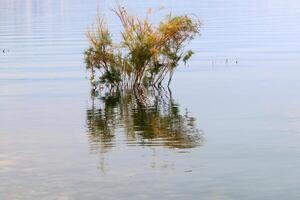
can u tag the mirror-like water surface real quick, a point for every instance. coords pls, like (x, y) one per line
(228, 129)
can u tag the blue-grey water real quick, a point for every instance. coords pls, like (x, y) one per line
(57, 143)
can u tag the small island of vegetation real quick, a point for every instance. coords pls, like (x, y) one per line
(146, 55)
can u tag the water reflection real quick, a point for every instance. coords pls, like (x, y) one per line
(149, 119)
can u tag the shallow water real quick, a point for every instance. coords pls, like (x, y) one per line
(228, 130)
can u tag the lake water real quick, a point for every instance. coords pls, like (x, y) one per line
(228, 130)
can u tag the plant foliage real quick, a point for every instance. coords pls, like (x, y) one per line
(145, 56)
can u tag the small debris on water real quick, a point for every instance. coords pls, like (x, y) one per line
(5, 51)
(183, 152)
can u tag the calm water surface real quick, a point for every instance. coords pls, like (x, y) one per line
(227, 130)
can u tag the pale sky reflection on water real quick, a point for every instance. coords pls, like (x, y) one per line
(247, 112)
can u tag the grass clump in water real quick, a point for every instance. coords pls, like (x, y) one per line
(146, 55)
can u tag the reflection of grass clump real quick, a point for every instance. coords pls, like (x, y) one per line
(146, 54)
(160, 122)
